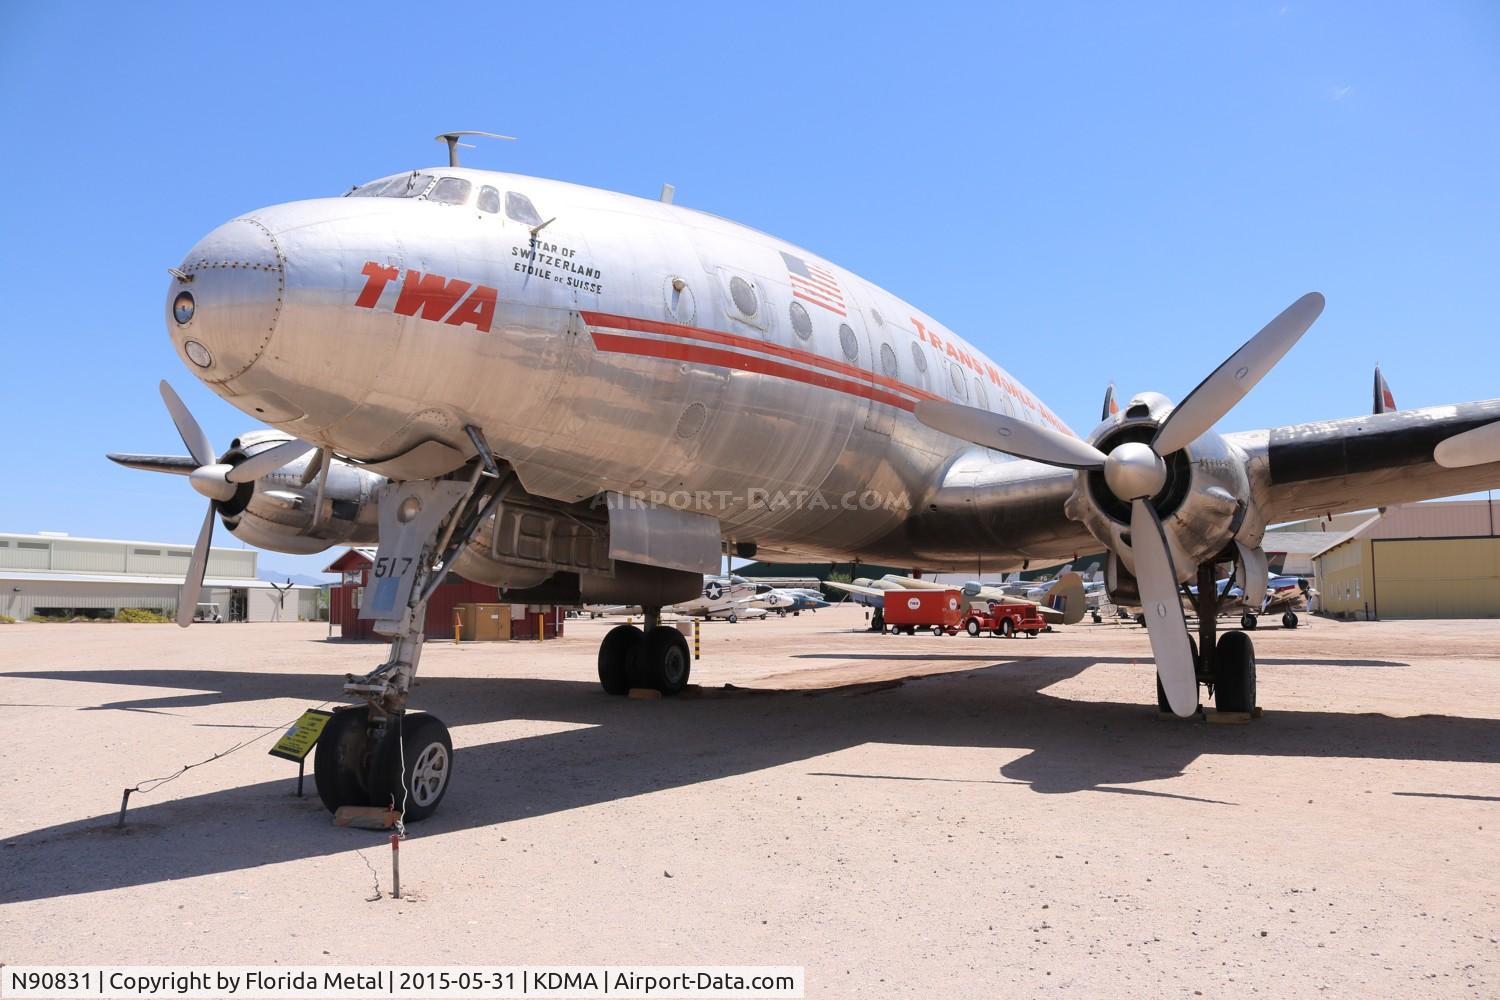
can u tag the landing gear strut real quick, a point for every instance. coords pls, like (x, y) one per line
(379, 754)
(656, 657)
(1225, 663)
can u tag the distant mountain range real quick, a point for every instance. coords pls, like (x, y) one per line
(311, 581)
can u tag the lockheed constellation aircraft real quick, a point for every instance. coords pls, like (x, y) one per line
(582, 396)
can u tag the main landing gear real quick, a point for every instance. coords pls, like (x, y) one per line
(656, 657)
(1225, 663)
(379, 753)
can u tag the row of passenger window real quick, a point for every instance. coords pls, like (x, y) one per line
(746, 302)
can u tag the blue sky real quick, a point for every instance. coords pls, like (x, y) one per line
(1088, 192)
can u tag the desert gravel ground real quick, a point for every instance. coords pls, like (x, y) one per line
(916, 816)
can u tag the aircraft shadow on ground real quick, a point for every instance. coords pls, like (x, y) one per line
(1264, 661)
(629, 748)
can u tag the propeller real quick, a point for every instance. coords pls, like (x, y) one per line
(1136, 471)
(218, 481)
(317, 466)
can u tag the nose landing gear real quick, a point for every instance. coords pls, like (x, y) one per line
(379, 754)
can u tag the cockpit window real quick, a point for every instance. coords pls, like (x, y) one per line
(378, 189)
(409, 185)
(416, 185)
(519, 207)
(489, 199)
(450, 191)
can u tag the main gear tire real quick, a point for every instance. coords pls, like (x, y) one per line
(615, 655)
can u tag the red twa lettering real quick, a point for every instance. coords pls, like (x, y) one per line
(431, 295)
(478, 308)
(376, 278)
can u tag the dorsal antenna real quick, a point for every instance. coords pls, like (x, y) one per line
(455, 143)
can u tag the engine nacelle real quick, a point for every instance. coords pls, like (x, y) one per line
(1204, 505)
(277, 512)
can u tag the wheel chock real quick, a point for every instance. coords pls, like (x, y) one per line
(365, 817)
(645, 694)
(1229, 718)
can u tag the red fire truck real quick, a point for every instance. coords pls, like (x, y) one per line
(1006, 619)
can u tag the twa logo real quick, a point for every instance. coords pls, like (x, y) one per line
(431, 296)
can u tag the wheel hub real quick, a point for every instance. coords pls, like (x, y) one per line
(429, 774)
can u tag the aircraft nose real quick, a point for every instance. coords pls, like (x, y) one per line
(225, 298)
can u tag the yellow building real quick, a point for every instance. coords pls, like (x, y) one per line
(1420, 560)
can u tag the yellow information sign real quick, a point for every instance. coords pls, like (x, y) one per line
(297, 741)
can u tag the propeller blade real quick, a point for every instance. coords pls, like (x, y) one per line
(268, 461)
(323, 467)
(1479, 446)
(177, 465)
(1217, 394)
(192, 584)
(314, 465)
(192, 435)
(1250, 574)
(1162, 606)
(1007, 434)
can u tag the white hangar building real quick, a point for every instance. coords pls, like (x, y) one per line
(56, 575)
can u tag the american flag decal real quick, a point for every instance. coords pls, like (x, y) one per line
(814, 284)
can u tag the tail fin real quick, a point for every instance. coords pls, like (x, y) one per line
(1110, 406)
(1384, 401)
(1068, 598)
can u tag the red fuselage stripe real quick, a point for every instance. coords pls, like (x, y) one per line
(746, 343)
(614, 343)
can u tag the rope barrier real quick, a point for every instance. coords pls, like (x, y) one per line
(152, 784)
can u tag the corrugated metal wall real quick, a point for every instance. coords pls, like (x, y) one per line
(72, 594)
(17, 554)
(1343, 579)
(78, 555)
(1437, 577)
(1441, 519)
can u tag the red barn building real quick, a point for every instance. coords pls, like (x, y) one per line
(354, 566)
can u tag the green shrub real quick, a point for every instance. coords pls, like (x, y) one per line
(7, 620)
(140, 616)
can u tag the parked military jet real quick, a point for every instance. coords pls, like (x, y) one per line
(582, 396)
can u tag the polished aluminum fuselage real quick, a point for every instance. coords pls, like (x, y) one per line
(617, 358)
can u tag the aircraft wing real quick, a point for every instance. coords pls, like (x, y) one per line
(1053, 616)
(1027, 510)
(1331, 466)
(912, 583)
(873, 597)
